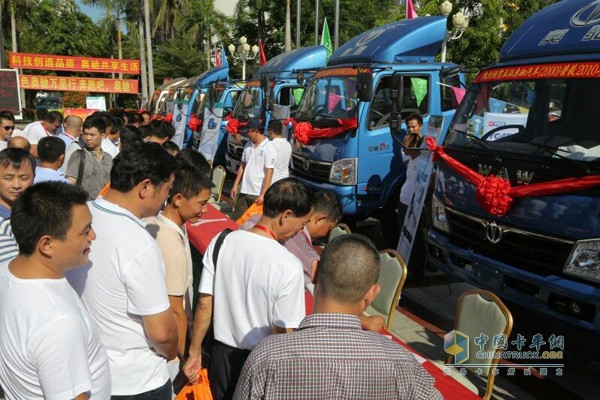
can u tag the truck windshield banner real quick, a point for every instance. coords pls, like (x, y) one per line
(346, 71)
(541, 71)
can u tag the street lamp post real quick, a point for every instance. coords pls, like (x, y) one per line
(459, 22)
(243, 53)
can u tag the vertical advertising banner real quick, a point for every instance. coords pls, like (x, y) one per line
(10, 95)
(210, 131)
(408, 231)
(179, 121)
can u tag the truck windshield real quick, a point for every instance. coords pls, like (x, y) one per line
(201, 101)
(249, 103)
(329, 97)
(555, 118)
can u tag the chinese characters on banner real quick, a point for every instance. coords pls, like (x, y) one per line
(77, 84)
(558, 70)
(68, 63)
(9, 92)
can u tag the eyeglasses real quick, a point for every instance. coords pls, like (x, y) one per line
(9, 128)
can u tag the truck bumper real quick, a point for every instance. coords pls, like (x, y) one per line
(231, 164)
(575, 303)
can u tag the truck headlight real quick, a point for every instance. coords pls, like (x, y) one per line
(343, 172)
(584, 261)
(438, 215)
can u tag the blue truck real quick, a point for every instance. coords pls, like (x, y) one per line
(533, 119)
(374, 79)
(281, 81)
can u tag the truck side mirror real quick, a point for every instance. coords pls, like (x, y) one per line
(179, 101)
(265, 84)
(212, 94)
(397, 96)
(364, 86)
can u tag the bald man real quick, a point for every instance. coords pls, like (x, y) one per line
(19, 142)
(73, 129)
(330, 353)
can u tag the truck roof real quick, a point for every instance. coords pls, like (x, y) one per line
(171, 83)
(567, 29)
(217, 74)
(303, 58)
(407, 40)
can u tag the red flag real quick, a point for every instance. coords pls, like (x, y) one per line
(410, 10)
(263, 59)
(457, 95)
(217, 56)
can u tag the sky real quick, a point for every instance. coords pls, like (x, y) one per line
(95, 13)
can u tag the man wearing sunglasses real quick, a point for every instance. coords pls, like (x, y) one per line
(7, 126)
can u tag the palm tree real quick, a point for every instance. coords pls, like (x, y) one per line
(288, 27)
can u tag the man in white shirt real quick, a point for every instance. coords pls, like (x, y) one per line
(412, 140)
(123, 286)
(256, 170)
(50, 347)
(40, 129)
(51, 151)
(257, 284)
(282, 149)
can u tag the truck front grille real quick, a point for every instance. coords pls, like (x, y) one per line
(310, 169)
(541, 254)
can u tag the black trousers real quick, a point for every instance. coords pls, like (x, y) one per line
(226, 364)
(161, 393)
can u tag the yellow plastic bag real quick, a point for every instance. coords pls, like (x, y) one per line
(197, 391)
(252, 210)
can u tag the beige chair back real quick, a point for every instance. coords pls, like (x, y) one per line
(482, 312)
(338, 230)
(218, 178)
(392, 276)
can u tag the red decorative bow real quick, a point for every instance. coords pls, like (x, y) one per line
(195, 123)
(234, 125)
(496, 196)
(169, 118)
(304, 131)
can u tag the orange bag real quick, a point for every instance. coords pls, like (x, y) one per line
(252, 210)
(197, 391)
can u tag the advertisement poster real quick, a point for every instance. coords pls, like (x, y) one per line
(210, 131)
(179, 121)
(95, 103)
(408, 232)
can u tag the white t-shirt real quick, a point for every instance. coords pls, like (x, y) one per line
(124, 280)
(255, 160)
(283, 153)
(50, 347)
(258, 284)
(109, 147)
(35, 132)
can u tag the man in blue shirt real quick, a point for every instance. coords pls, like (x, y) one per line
(16, 174)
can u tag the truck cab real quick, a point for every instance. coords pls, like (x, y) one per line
(533, 120)
(394, 63)
(281, 81)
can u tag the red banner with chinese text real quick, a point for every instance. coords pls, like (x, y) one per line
(69, 63)
(78, 84)
(541, 71)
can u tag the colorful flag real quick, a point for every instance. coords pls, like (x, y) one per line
(224, 56)
(217, 56)
(326, 39)
(410, 10)
(262, 57)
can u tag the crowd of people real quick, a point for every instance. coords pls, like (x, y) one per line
(96, 273)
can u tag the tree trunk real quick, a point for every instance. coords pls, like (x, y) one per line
(1, 39)
(149, 46)
(288, 27)
(119, 45)
(145, 97)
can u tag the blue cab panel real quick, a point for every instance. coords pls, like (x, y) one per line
(286, 65)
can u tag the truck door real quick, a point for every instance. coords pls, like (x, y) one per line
(380, 157)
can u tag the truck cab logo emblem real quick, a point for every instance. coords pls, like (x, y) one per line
(524, 177)
(493, 232)
(585, 18)
(306, 164)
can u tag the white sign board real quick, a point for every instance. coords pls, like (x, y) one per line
(95, 103)
(408, 231)
(209, 141)
(497, 120)
(179, 122)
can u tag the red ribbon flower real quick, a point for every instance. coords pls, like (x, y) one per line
(169, 118)
(304, 131)
(195, 123)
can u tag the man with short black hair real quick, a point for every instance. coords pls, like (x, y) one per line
(90, 166)
(51, 151)
(7, 127)
(256, 170)
(160, 131)
(257, 284)
(330, 352)
(43, 128)
(50, 347)
(282, 149)
(186, 203)
(123, 287)
(146, 117)
(17, 168)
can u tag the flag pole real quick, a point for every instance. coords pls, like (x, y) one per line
(336, 28)
(316, 22)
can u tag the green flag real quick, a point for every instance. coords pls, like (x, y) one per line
(326, 40)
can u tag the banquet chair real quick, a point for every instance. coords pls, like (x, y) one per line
(338, 230)
(392, 276)
(218, 179)
(482, 312)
